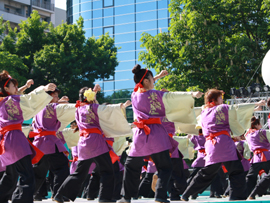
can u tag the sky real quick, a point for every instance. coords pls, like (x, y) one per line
(60, 4)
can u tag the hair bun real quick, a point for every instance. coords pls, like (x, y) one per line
(253, 119)
(136, 68)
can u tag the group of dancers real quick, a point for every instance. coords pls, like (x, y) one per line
(98, 136)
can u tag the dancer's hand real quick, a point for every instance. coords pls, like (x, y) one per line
(197, 94)
(126, 104)
(29, 83)
(50, 87)
(261, 103)
(64, 99)
(97, 88)
(162, 74)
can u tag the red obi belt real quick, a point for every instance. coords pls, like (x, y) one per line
(261, 151)
(41, 133)
(202, 151)
(4, 130)
(75, 158)
(211, 136)
(86, 132)
(143, 124)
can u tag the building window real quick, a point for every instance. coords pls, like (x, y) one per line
(108, 3)
(110, 30)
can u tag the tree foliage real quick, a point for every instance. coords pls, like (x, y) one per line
(61, 54)
(215, 43)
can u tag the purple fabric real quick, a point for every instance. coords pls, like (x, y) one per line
(198, 142)
(2, 168)
(185, 164)
(149, 105)
(121, 166)
(257, 140)
(240, 147)
(214, 120)
(94, 144)
(16, 144)
(46, 120)
(60, 136)
(151, 167)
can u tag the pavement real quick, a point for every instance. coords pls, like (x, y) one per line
(264, 199)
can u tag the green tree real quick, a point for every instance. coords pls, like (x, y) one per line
(61, 55)
(210, 44)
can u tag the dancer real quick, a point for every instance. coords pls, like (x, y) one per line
(16, 151)
(150, 137)
(218, 120)
(94, 121)
(258, 142)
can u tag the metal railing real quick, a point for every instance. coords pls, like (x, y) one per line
(42, 4)
(13, 12)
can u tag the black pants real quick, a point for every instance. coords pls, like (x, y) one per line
(118, 179)
(133, 167)
(42, 192)
(57, 163)
(93, 185)
(24, 190)
(205, 176)
(251, 179)
(218, 185)
(145, 189)
(227, 191)
(72, 185)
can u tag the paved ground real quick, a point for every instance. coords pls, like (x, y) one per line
(263, 199)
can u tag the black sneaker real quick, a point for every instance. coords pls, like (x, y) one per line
(161, 200)
(123, 200)
(58, 198)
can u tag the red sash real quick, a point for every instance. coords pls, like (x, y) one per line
(143, 124)
(75, 158)
(213, 135)
(260, 151)
(4, 130)
(86, 132)
(171, 135)
(41, 133)
(202, 151)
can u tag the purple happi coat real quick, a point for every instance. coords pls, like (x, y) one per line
(46, 120)
(14, 110)
(257, 139)
(149, 105)
(94, 144)
(240, 147)
(74, 164)
(198, 142)
(214, 120)
(170, 128)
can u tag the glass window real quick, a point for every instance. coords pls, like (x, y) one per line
(145, 6)
(87, 15)
(97, 13)
(82, 1)
(97, 23)
(126, 46)
(88, 33)
(124, 9)
(125, 84)
(125, 56)
(151, 32)
(76, 2)
(124, 38)
(109, 86)
(146, 16)
(163, 23)
(146, 25)
(111, 77)
(124, 19)
(124, 75)
(76, 8)
(107, 3)
(108, 12)
(97, 32)
(86, 6)
(76, 17)
(138, 45)
(97, 4)
(126, 65)
(109, 30)
(163, 14)
(88, 24)
(125, 28)
(162, 4)
(108, 21)
(123, 2)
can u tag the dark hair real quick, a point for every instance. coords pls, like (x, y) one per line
(268, 102)
(212, 95)
(139, 73)
(254, 121)
(82, 98)
(200, 131)
(4, 77)
(56, 90)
